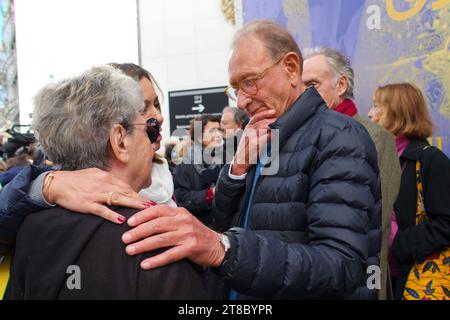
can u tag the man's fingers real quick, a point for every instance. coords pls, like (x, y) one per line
(249, 149)
(169, 256)
(147, 229)
(258, 126)
(151, 213)
(262, 115)
(163, 240)
(107, 214)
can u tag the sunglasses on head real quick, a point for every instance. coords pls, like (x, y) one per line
(152, 129)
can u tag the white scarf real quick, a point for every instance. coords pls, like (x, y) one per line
(161, 189)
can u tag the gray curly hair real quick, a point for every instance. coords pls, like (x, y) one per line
(72, 118)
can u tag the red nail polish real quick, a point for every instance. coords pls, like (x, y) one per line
(121, 219)
(149, 204)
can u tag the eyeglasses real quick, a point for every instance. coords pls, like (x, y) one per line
(249, 85)
(152, 129)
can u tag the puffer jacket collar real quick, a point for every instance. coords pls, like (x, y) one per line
(303, 108)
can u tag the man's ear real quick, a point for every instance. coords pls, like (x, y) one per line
(119, 143)
(292, 65)
(342, 85)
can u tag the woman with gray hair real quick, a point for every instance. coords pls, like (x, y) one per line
(97, 119)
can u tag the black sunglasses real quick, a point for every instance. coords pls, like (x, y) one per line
(152, 129)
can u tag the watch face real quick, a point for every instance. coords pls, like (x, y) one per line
(225, 242)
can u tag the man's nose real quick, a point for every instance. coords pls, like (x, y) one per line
(243, 100)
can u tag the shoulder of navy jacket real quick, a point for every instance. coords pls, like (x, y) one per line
(33, 171)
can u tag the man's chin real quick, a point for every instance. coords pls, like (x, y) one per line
(259, 110)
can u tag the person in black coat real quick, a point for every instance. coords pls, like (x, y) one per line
(401, 109)
(195, 178)
(98, 119)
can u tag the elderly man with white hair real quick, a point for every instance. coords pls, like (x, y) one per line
(332, 75)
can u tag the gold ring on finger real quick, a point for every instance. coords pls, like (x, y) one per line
(109, 200)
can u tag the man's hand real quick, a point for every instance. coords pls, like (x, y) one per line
(252, 143)
(87, 190)
(176, 229)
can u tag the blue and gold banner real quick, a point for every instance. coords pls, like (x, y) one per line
(387, 41)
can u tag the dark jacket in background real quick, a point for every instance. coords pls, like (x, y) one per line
(8, 175)
(52, 240)
(191, 182)
(415, 243)
(315, 224)
(15, 204)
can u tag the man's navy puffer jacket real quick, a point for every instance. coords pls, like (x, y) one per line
(314, 226)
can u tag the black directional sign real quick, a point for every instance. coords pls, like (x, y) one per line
(187, 104)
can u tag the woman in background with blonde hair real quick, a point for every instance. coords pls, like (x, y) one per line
(418, 234)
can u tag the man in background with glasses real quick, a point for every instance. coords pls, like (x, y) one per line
(298, 233)
(233, 122)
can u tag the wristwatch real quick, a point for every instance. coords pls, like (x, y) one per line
(225, 242)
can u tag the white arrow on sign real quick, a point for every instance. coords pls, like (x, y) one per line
(199, 108)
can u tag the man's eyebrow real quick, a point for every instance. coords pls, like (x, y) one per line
(248, 75)
(244, 76)
(311, 80)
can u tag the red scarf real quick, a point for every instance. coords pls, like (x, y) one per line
(347, 107)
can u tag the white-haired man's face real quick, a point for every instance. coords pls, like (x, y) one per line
(317, 73)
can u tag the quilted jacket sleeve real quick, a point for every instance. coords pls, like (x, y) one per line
(16, 204)
(343, 197)
(227, 198)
